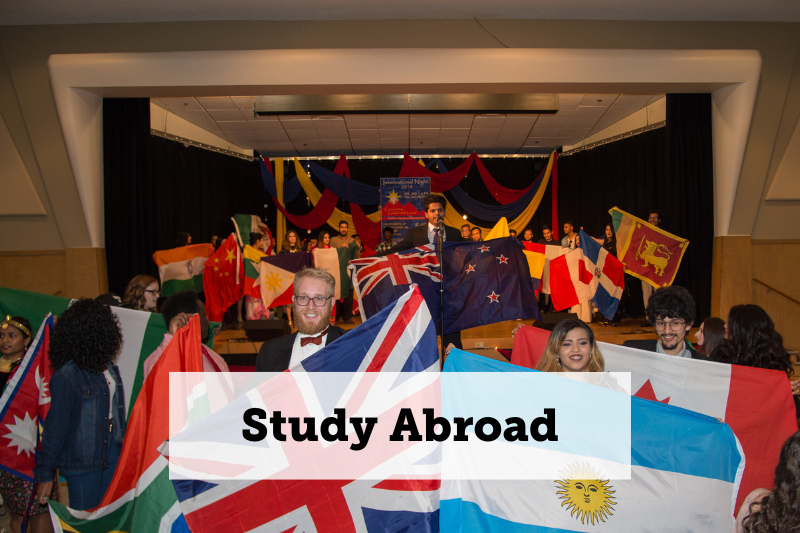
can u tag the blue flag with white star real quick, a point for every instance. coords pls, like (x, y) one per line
(486, 282)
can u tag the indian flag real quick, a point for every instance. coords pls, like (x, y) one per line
(181, 269)
(141, 496)
(142, 332)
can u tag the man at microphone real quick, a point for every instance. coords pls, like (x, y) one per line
(434, 205)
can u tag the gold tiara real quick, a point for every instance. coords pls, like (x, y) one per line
(8, 322)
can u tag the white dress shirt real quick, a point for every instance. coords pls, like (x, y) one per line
(432, 233)
(301, 353)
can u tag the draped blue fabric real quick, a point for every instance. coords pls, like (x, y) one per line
(347, 189)
(493, 213)
(291, 188)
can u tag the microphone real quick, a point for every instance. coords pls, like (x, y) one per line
(441, 235)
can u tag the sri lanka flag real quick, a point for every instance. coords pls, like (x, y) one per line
(24, 405)
(608, 275)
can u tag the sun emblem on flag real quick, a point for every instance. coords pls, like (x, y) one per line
(41, 384)
(393, 197)
(585, 494)
(22, 434)
(273, 281)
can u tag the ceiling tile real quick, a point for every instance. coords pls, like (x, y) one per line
(328, 123)
(226, 114)
(242, 136)
(302, 135)
(544, 133)
(578, 123)
(216, 102)
(361, 121)
(550, 123)
(655, 98)
(619, 112)
(335, 144)
(364, 134)
(585, 111)
(235, 126)
(393, 133)
(187, 104)
(425, 133)
(457, 121)
(298, 124)
(392, 121)
(570, 99)
(246, 103)
(265, 125)
(454, 133)
(394, 143)
(604, 100)
(273, 135)
(606, 122)
(488, 121)
(484, 132)
(426, 121)
(309, 144)
(193, 116)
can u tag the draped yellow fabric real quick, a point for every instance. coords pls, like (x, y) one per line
(314, 195)
(499, 230)
(453, 218)
(280, 222)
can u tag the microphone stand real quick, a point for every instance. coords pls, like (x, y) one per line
(440, 245)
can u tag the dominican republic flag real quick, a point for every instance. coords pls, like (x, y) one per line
(276, 279)
(380, 281)
(141, 496)
(24, 405)
(608, 275)
(400, 338)
(685, 471)
(756, 403)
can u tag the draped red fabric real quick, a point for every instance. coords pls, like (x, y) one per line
(554, 182)
(439, 182)
(369, 231)
(317, 217)
(500, 193)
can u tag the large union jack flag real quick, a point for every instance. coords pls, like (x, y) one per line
(401, 338)
(380, 281)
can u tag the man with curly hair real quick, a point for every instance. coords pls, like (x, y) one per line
(671, 310)
(85, 426)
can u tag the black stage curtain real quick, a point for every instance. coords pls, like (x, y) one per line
(667, 169)
(155, 188)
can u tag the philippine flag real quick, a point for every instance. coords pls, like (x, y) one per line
(609, 278)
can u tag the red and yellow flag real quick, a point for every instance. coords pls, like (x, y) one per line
(649, 253)
(223, 279)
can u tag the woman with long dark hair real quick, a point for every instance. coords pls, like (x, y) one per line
(751, 340)
(710, 335)
(291, 244)
(85, 426)
(777, 511)
(15, 338)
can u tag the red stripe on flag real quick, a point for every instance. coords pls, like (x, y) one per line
(396, 331)
(613, 270)
(410, 485)
(583, 273)
(562, 291)
(761, 413)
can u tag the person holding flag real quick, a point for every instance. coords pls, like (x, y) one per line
(17, 492)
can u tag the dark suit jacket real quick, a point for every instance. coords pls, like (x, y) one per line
(274, 355)
(418, 236)
(650, 346)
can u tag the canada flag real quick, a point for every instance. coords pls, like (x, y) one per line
(24, 405)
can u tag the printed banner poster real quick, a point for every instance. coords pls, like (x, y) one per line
(401, 204)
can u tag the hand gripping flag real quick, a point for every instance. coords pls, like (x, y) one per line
(608, 276)
(380, 281)
(141, 496)
(223, 281)
(685, 471)
(400, 338)
(24, 405)
(276, 279)
(648, 253)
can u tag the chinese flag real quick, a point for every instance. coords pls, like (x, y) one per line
(223, 279)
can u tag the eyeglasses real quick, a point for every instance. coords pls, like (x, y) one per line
(674, 326)
(319, 301)
(153, 292)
